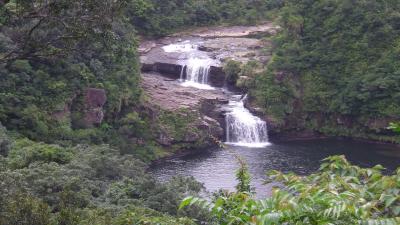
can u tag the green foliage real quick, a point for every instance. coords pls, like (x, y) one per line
(145, 216)
(5, 141)
(395, 127)
(232, 71)
(48, 59)
(85, 183)
(178, 124)
(22, 209)
(335, 60)
(339, 193)
(25, 152)
(158, 17)
(243, 177)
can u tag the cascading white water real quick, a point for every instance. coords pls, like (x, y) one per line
(180, 47)
(197, 64)
(197, 71)
(243, 128)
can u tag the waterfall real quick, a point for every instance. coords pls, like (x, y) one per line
(243, 128)
(181, 77)
(180, 47)
(197, 71)
(197, 64)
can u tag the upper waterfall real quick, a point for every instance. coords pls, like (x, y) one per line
(196, 65)
(197, 72)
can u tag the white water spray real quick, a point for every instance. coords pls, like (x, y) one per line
(180, 47)
(242, 128)
(197, 72)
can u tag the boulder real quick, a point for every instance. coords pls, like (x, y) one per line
(212, 127)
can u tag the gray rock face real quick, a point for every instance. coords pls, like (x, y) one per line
(212, 127)
(94, 100)
(171, 96)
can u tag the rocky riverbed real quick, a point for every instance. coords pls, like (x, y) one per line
(164, 64)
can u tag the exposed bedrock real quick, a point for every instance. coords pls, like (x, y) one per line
(174, 71)
(201, 106)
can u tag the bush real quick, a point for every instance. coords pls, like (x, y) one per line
(25, 152)
(339, 193)
(23, 209)
(232, 71)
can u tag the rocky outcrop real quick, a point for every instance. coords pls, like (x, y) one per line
(168, 69)
(202, 106)
(212, 127)
(93, 102)
(171, 96)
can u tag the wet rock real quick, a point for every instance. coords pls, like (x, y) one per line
(168, 69)
(216, 76)
(212, 127)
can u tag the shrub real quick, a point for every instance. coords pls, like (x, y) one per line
(339, 193)
(232, 70)
(25, 152)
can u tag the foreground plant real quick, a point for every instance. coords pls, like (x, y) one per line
(339, 193)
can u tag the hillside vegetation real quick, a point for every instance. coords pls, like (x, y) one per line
(74, 125)
(335, 68)
(76, 133)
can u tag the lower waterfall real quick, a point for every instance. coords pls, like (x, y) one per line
(243, 128)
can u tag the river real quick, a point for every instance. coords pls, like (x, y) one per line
(246, 134)
(216, 167)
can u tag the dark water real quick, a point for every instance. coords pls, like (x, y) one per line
(216, 168)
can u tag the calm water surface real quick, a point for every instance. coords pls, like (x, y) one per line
(216, 168)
